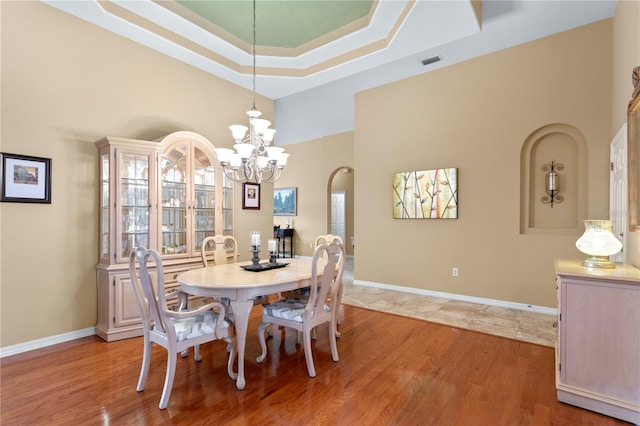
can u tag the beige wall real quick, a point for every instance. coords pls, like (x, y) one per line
(475, 116)
(310, 169)
(66, 84)
(626, 56)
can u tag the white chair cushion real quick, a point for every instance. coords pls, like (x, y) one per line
(189, 328)
(289, 309)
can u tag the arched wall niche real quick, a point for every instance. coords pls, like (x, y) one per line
(564, 145)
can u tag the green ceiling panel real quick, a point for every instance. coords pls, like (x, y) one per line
(280, 23)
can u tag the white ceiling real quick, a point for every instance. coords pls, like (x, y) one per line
(399, 30)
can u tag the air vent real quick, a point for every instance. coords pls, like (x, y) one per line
(431, 60)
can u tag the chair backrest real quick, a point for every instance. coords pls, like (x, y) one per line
(328, 239)
(149, 287)
(218, 249)
(332, 271)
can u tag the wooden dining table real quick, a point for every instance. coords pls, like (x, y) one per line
(242, 288)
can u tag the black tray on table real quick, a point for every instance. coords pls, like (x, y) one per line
(263, 266)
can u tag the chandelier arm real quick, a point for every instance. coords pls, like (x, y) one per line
(247, 169)
(232, 176)
(275, 175)
(271, 169)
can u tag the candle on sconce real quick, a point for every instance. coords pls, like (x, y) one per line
(552, 181)
(255, 238)
(273, 245)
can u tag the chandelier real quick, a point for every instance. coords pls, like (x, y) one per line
(253, 159)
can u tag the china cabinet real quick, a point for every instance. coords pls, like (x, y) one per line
(598, 347)
(168, 195)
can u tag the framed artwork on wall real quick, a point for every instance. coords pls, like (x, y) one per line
(251, 196)
(426, 194)
(25, 179)
(285, 201)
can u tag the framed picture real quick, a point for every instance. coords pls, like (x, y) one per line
(25, 179)
(426, 194)
(251, 196)
(285, 201)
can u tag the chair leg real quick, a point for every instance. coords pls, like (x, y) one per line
(231, 346)
(336, 321)
(332, 338)
(307, 353)
(168, 380)
(262, 340)
(146, 362)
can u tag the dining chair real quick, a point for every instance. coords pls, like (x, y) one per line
(303, 293)
(304, 315)
(219, 249)
(327, 239)
(176, 331)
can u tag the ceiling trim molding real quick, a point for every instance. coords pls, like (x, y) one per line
(167, 34)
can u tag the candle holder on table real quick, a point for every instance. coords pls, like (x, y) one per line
(273, 251)
(256, 256)
(256, 266)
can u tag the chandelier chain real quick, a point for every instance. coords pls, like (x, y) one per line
(254, 54)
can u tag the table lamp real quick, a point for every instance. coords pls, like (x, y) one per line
(599, 243)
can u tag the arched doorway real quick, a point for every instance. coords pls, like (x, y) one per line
(340, 205)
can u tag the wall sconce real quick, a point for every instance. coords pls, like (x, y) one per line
(599, 243)
(552, 183)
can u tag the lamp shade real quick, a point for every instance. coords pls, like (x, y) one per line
(224, 154)
(244, 150)
(599, 243)
(238, 131)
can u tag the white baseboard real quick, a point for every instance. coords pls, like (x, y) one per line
(471, 299)
(46, 341)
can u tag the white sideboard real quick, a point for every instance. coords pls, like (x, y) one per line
(598, 347)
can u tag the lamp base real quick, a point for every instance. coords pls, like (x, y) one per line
(602, 262)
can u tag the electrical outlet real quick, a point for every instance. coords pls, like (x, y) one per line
(454, 272)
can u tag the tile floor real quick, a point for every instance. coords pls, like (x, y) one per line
(517, 324)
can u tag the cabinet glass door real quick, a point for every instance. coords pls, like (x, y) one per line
(227, 205)
(174, 169)
(134, 202)
(196, 201)
(204, 201)
(104, 206)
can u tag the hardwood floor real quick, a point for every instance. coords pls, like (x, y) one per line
(393, 370)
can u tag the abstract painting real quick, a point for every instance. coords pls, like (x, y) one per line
(426, 194)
